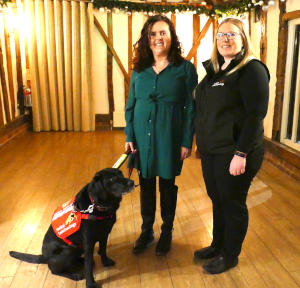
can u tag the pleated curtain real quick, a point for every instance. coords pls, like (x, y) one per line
(60, 58)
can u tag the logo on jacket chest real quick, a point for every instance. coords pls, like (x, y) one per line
(218, 83)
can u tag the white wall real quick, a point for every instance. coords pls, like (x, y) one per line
(272, 52)
(100, 66)
(292, 5)
(120, 40)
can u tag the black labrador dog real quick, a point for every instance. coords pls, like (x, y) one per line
(96, 204)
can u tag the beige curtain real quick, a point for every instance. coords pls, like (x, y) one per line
(60, 57)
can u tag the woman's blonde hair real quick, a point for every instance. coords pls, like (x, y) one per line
(247, 48)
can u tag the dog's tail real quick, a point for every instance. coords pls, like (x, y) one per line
(36, 259)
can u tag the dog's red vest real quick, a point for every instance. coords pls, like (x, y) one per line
(65, 221)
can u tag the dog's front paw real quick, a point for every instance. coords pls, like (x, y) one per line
(107, 262)
(93, 285)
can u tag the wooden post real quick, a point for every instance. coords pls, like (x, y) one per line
(291, 15)
(280, 73)
(173, 20)
(196, 29)
(197, 42)
(111, 48)
(250, 22)
(110, 68)
(215, 27)
(263, 39)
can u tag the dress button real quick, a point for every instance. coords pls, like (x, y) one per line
(149, 120)
(149, 134)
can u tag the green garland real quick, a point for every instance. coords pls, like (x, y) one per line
(3, 3)
(236, 8)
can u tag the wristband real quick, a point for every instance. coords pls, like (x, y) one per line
(240, 154)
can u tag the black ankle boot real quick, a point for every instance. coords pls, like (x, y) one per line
(164, 244)
(206, 253)
(143, 242)
(220, 265)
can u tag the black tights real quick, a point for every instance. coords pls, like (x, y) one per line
(168, 199)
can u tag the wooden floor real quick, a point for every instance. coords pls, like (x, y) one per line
(39, 171)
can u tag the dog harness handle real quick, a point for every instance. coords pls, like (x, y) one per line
(121, 160)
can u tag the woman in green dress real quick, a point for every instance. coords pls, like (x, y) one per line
(159, 123)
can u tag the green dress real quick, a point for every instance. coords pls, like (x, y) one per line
(159, 117)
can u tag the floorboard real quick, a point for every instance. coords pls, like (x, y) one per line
(39, 171)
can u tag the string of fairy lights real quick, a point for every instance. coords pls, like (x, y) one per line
(151, 8)
(201, 7)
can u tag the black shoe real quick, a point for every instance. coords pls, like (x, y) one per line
(164, 244)
(220, 265)
(206, 253)
(143, 242)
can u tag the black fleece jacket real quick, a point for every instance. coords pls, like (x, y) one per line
(230, 108)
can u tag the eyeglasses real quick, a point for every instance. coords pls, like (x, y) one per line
(228, 35)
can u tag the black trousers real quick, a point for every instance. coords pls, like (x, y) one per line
(228, 195)
(168, 199)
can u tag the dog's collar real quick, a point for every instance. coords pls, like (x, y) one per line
(100, 207)
(91, 207)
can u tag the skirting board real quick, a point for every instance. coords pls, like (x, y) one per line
(283, 157)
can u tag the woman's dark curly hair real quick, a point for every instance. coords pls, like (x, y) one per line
(143, 56)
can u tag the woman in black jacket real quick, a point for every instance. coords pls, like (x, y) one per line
(231, 103)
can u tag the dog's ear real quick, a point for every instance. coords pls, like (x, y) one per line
(82, 194)
(96, 188)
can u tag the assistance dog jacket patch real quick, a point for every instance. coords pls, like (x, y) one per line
(66, 221)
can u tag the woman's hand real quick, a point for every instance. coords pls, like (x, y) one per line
(185, 153)
(129, 147)
(237, 165)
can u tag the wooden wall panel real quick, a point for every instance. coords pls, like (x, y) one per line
(280, 74)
